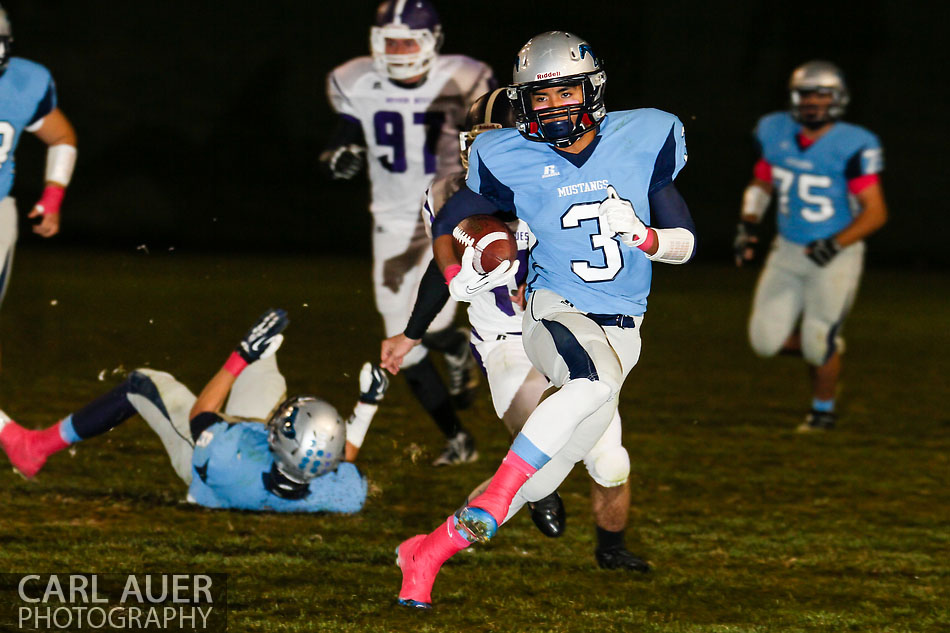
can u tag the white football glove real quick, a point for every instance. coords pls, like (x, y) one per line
(373, 383)
(621, 218)
(468, 283)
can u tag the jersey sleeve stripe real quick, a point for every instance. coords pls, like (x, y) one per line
(46, 105)
(665, 163)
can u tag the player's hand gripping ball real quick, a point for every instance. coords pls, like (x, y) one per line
(491, 238)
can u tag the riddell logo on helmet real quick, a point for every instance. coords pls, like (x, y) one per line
(548, 75)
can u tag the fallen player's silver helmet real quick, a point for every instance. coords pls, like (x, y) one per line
(557, 58)
(307, 437)
(824, 78)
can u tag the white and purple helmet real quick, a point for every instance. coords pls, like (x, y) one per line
(405, 20)
(6, 38)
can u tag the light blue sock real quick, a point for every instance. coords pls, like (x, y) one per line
(823, 406)
(67, 432)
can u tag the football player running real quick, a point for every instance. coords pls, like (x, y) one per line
(830, 198)
(516, 386)
(293, 463)
(400, 111)
(597, 192)
(29, 103)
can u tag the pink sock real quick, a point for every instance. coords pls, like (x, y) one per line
(506, 482)
(49, 441)
(444, 542)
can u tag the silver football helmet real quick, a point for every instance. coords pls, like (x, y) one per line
(405, 20)
(824, 78)
(557, 58)
(307, 437)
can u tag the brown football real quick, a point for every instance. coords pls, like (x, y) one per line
(492, 239)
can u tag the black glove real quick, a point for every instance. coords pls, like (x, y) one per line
(747, 238)
(263, 339)
(346, 162)
(822, 251)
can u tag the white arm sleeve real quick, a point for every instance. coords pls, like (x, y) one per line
(674, 246)
(755, 201)
(60, 161)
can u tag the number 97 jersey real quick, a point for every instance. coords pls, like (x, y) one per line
(411, 133)
(817, 182)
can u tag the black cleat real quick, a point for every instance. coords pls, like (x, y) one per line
(458, 450)
(464, 374)
(620, 558)
(818, 421)
(548, 514)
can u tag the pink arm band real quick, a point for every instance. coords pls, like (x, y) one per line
(649, 242)
(859, 184)
(235, 364)
(451, 271)
(51, 200)
(762, 171)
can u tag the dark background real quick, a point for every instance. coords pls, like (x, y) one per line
(199, 123)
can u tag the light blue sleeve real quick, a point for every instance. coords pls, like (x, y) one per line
(343, 491)
(482, 181)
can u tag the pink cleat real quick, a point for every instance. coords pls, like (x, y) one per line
(17, 443)
(418, 574)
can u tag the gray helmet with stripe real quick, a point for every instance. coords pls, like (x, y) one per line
(557, 58)
(307, 437)
(822, 77)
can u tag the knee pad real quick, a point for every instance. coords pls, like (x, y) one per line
(414, 357)
(819, 341)
(609, 468)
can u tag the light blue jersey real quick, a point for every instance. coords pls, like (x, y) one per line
(27, 94)
(231, 468)
(558, 194)
(814, 183)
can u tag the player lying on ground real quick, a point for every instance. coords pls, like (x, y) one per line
(400, 109)
(597, 192)
(516, 386)
(29, 103)
(291, 464)
(830, 199)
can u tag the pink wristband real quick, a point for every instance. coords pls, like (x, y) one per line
(51, 200)
(450, 272)
(649, 242)
(235, 364)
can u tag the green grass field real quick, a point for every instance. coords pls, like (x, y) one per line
(749, 526)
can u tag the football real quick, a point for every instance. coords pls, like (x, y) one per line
(491, 238)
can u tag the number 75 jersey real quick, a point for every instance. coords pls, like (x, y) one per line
(816, 184)
(411, 133)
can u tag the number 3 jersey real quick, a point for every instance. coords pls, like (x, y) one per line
(558, 195)
(816, 182)
(411, 133)
(27, 94)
